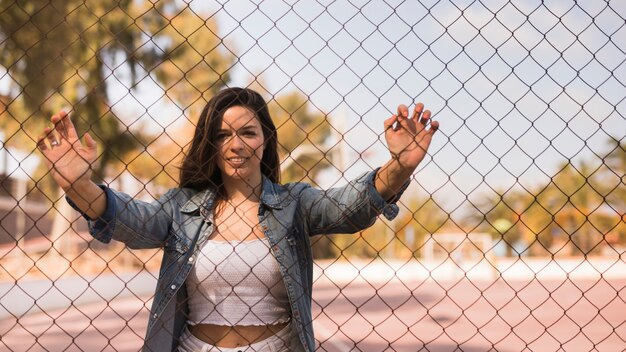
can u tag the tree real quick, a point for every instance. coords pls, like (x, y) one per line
(299, 129)
(577, 205)
(502, 215)
(568, 214)
(613, 178)
(614, 182)
(195, 69)
(70, 52)
(420, 217)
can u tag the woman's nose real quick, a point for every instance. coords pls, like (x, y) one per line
(237, 143)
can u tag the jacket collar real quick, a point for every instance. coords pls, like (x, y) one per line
(273, 196)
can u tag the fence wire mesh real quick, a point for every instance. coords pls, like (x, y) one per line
(512, 235)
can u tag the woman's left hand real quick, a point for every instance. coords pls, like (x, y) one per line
(408, 138)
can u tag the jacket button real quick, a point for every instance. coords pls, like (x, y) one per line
(154, 315)
(173, 287)
(191, 259)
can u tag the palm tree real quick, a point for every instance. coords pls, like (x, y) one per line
(577, 206)
(502, 214)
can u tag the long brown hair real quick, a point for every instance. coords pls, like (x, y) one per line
(199, 169)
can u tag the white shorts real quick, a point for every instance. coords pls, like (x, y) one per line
(286, 340)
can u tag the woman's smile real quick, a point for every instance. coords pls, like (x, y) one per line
(237, 161)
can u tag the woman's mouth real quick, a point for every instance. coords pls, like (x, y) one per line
(237, 161)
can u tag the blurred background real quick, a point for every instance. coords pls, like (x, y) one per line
(512, 234)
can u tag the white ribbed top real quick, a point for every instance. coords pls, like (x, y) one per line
(237, 283)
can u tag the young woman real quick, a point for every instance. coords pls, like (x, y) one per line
(237, 267)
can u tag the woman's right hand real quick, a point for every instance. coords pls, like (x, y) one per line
(69, 161)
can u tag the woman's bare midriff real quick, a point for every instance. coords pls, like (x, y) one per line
(233, 336)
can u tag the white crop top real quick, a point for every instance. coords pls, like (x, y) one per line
(237, 283)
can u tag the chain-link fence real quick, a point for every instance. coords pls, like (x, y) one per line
(511, 236)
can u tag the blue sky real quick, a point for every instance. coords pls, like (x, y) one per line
(518, 89)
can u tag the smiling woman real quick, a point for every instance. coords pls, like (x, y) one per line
(240, 143)
(237, 265)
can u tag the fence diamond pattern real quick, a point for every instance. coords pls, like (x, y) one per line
(512, 235)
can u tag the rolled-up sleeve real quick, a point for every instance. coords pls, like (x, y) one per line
(347, 209)
(101, 228)
(138, 224)
(388, 208)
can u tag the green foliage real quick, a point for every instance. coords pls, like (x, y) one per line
(403, 237)
(578, 212)
(300, 129)
(196, 66)
(65, 52)
(613, 181)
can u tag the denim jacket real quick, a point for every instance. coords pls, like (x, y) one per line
(182, 219)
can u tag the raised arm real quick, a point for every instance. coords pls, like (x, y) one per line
(70, 162)
(111, 214)
(408, 139)
(355, 206)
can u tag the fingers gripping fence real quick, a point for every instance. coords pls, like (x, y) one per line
(511, 236)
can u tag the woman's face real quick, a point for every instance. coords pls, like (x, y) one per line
(240, 145)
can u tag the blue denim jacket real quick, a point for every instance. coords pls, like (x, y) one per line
(182, 219)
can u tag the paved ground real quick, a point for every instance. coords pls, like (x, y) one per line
(583, 315)
(413, 316)
(505, 316)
